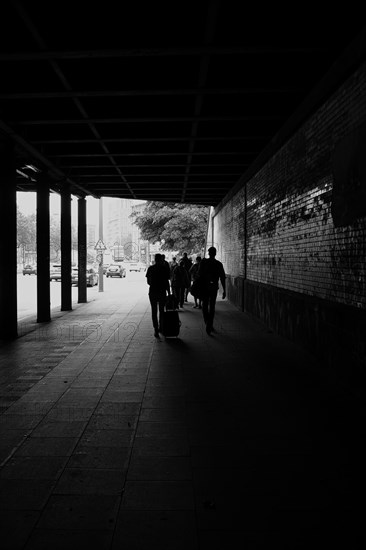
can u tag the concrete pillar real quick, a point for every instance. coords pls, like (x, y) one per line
(8, 243)
(82, 251)
(66, 296)
(43, 249)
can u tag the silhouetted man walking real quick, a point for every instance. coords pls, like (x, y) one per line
(157, 277)
(187, 262)
(180, 282)
(210, 272)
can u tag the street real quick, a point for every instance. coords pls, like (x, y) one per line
(134, 284)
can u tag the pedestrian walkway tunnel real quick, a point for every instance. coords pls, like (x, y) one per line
(111, 438)
(264, 126)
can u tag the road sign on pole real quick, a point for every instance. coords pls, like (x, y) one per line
(100, 246)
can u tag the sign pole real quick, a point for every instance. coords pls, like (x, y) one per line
(100, 252)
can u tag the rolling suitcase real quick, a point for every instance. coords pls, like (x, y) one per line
(171, 302)
(171, 322)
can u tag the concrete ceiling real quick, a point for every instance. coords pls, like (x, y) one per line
(172, 101)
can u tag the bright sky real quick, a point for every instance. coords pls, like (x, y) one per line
(27, 205)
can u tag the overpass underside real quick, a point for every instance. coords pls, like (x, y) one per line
(289, 226)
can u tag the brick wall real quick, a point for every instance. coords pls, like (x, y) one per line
(227, 232)
(283, 231)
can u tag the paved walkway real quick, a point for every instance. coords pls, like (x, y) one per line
(111, 439)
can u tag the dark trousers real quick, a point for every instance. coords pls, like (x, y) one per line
(197, 301)
(208, 306)
(157, 299)
(179, 293)
(186, 290)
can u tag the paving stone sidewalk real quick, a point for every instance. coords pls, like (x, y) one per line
(112, 439)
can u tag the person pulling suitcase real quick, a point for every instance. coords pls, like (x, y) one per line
(158, 280)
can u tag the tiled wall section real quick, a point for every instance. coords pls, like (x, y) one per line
(292, 242)
(229, 235)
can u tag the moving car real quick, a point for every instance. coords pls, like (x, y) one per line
(29, 270)
(55, 272)
(116, 270)
(92, 277)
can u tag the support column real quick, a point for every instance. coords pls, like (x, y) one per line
(8, 243)
(82, 259)
(43, 249)
(66, 296)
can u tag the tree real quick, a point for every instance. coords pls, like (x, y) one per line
(26, 230)
(179, 227)
(55, 236)
(27, 234)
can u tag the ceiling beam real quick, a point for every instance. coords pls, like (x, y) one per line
(142, 93)
(53, 170)
(113, 185)
(146, 139)
(155, 189)
(50, 55)
(117, 120)
(24, 15)
(218, 175)
(147, 154)
(210, 29)
(209, 165)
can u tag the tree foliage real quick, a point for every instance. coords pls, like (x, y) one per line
(27, 233)
(26, 230)
(179, 227)
(55, 237)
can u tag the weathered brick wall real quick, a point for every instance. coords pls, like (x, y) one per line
(292, 241)
(228, 231)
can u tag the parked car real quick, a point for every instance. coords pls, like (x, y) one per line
(29, 270)
(116, 270)
(55, 272)
(105, 267)
(134, 266)
(92, 277)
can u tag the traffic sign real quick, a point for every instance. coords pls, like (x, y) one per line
(100, 245)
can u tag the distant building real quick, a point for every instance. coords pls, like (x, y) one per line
(141, 245)
(117, 222)
(120, 235)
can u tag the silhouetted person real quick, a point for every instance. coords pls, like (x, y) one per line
(179, 282)
(173, 265)
(187, 262)
(166, 263)
(193, 275)
(157, 277)
(210, 272)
